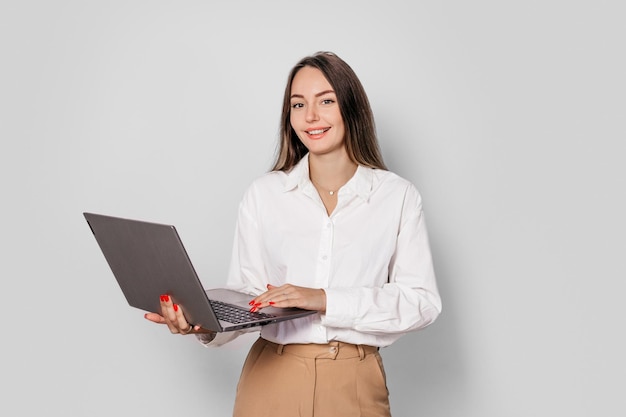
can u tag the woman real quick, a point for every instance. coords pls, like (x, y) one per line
(328, 229)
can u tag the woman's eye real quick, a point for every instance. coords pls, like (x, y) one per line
(328, 101)
(297, 105)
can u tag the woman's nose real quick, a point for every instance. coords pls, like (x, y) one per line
(311, 114)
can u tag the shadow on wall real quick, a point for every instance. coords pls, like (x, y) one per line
(426, 370)
(426, 373)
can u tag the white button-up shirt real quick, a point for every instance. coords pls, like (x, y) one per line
(371, 256)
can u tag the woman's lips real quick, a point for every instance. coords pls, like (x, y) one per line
(317, 133)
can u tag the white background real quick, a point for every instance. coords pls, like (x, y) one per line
(507, 115)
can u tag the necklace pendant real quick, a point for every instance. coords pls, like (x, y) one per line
(331, 192)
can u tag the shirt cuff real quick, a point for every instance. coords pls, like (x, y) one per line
(342, 306)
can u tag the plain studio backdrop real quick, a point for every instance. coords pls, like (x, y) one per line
(508, 116)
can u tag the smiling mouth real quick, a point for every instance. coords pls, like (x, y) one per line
(317, 131)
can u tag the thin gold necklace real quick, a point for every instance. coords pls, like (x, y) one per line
(331, 192)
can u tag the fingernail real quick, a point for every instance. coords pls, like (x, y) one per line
(175, 307)
(253, 309)
(165, 298)
(251, 302)
(272, 303)
(267, 286)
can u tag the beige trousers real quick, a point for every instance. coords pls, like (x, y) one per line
(332, 380)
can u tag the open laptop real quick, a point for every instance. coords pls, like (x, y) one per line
(149, 259)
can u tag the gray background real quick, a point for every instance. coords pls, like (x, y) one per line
(508, 116)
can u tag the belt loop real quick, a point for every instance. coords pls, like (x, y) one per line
(361, 352)
(279, 349)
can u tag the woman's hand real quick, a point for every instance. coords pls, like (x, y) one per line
(291, 296)
(172, 315)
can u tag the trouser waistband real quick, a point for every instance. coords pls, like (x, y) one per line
(332, 350)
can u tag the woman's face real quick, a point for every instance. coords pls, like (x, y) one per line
(315, 114)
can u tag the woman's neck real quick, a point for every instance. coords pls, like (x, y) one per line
(330, 172)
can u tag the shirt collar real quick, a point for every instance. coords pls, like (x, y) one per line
(360, 184)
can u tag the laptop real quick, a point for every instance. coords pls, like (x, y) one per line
(149, 259)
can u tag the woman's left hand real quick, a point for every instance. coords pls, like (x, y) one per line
(288, 295)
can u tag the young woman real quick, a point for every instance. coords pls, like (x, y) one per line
(328, 229)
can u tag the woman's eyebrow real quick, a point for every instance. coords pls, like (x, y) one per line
(321, 93)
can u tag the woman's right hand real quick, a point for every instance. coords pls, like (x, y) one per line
(172, 316)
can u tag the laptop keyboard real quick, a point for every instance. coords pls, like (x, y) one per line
(234, 314)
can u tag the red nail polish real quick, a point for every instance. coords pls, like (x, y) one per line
(253, 309)
(272, 303)
(251, 303)
(166, 298)
(175, 307)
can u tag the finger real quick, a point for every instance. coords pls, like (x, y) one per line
(268, 298)
(155, 318)
(292, 296)
(259, 299)
(168, 313)
(167, 307)
(183, 326)
(277, 299)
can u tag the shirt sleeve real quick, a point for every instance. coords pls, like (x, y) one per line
(219, 339)
(408, 301)
(245, 269)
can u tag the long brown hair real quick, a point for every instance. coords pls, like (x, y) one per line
(360, 135)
